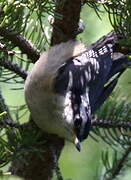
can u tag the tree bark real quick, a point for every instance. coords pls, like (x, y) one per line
(65, 27)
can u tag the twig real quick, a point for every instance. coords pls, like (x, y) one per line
(4, 107)
(17, 39)
(6, 118)
(4, 49)
(13, 67)
(120, 164)
(10, 123)
(110, 124)
(106, 124)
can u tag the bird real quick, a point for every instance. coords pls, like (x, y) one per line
(63, 88)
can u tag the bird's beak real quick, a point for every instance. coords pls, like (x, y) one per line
(77, 144)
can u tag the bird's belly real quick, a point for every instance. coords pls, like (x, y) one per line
(51, 118)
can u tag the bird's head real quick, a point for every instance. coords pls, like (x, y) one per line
(77, 114)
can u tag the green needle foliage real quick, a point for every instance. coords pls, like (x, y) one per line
(25, 30)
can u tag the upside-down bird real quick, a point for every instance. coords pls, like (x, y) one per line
(67, 84)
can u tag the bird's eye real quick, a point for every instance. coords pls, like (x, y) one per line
(77, 122)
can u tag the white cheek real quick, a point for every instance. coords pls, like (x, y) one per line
(68, 113)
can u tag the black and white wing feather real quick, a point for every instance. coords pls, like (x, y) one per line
(81, 80)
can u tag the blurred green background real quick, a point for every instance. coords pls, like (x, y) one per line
(87, 164)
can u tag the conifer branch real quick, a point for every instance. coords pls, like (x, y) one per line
(18, 40)
(4, 107)
(5, 50)
(106, 124)
(10, 65)
(120, 164)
